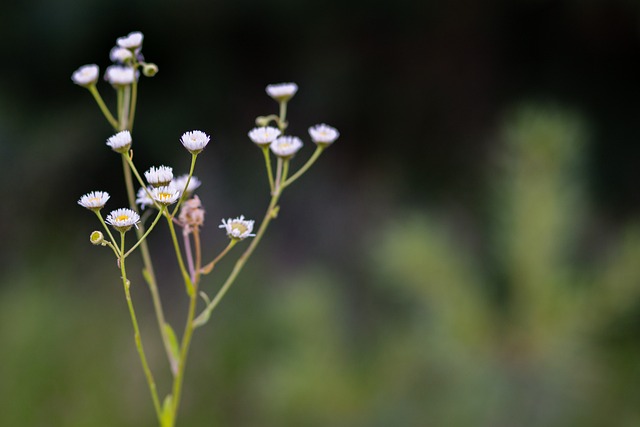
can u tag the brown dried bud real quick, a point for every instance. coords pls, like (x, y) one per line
(191, 214)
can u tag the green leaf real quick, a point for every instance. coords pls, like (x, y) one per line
(173, 342)
(166, 419)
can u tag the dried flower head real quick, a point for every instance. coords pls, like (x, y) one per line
(119, 75)
(191, 214)
(166, 195)
(282, 91)
(123, 219)
(94, 200)
(86, 75)
(238, 228)
(160, 176)
(323, 134)
(120, 142)
(132, 41)
(264, 135)
(195, 141)
(286, 146)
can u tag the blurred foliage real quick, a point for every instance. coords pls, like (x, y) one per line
(527, 320)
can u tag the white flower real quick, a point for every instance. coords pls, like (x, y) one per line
(323, 134)
(238, 228)
(123, 219)
(86, 75)
(264, 135)
(119, 75)
(195, 141)
(120, 54)
(179, 182)
(143, 199)
(120, 142)
(94, 200)
(160, 176)
(165, 195)
(286, 146)
(282, 91)
(131, 41)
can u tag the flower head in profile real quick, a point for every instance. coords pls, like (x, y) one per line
(160, 176)
(119, 75)
(123, 219)
(181, 181)
(143, 197)
(132, 41)
(282, 91)
(166, 195)
(94, 200)
(120, 54)
(323, 134)
(238, 228)
(120, 142)
(86, 75)
(264, 135)
(195, 141)
(286, 146)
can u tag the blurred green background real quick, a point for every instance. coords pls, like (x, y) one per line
(467, 253)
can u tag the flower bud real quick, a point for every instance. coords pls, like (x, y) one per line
(96, 238)
(149, 69)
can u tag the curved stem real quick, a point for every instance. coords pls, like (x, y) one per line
(267, 160)
(113, 240)
(143, 358)
(144, 236)
(306, 166)
(185, 275)
(207, 268)
(105, 111)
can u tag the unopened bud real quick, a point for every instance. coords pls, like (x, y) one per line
(96, 238)
(263, 120)
(149, 69)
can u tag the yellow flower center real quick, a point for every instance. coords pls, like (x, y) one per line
(122, 218)
(240, 227)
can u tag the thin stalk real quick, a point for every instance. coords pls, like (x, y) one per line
(282, 120)
(306, 166)
(184, 190)
(189, 255)
(185, 275)
(207, 268)
(113, 240)
(267, 160)
(204, 316)
(134, 100)
(144, 236)
(103, 107)
(126, 104)
(120, 93)
(143, 358)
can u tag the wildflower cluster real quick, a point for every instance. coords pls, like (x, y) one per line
(161, 194)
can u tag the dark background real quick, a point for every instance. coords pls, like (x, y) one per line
(424, 94)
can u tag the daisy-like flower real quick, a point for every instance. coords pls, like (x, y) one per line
(165, 195)
(282, 91)
(238, 228)
(123, 219)
(160, 176)
(119, 75)
(120, 54)
(195, 141)
(94, 200)
(120, 142)
(180, 181)
(132, 41)
(264, 135)
(143, 199)
(86, 75)
(286, 146)
(323, 134)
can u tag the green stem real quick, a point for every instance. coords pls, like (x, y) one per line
(134, 100)
(282, 120)
(267, 160)
(113, 240)
(120, 93)
(127, 165)
(207, 268)
(105, 111)
(136, 329)
(184, 190)
(269, 215)
(126, 104)
(306, 166)
(185, 275)
(144, 236)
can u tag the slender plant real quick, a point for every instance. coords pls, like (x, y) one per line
(169, 199)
